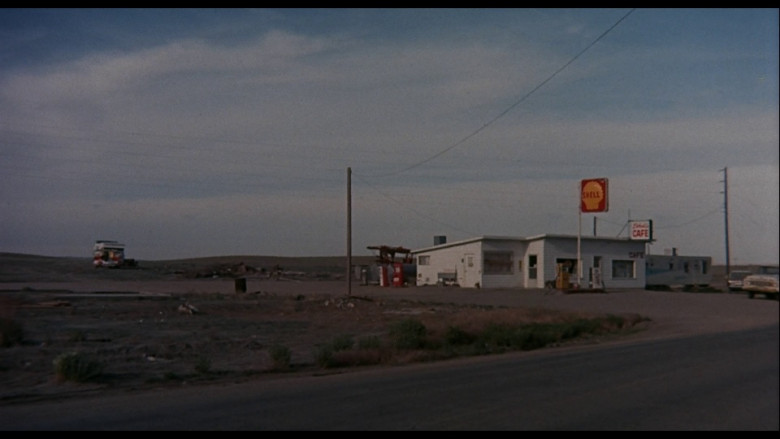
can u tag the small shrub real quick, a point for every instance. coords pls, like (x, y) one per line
(339, 353)
(537, 336)
(281, 355)
(11, 332)
(409, 334)
(614, 321)
(77, 336)
(203, 366)
(172, 376)
(369, 342)
(342, 343)
(364, 357)
(579, 328)
(455, 336)
(324, 356)
(496, 337)
(74, 366)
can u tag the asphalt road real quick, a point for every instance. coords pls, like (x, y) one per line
(726, 381)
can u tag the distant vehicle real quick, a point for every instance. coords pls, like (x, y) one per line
(766, 281)
(110, 254)
(735, 279)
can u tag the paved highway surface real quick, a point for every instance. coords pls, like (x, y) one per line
(710, 382)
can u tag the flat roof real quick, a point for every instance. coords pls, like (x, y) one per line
(521, 239)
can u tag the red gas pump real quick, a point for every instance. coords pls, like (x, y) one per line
(398, 274)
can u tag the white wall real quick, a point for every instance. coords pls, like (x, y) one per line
(453, 259)
(446, 260)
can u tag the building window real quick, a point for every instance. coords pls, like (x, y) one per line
(532, 266)
(623, 269)
(498, 262)
(424, 260)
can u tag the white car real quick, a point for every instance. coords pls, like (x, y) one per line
(766, 282)
(735, 279)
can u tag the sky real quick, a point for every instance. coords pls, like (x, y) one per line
(211, 132)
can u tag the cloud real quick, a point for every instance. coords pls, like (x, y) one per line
(197, 142)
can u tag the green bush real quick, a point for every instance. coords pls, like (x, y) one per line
(77, 336)
(11, 332)
(502, 337)
(203, 366)
(455, 336)
(339, 352)
(75, 366)
(342, 343)
(537, 336)
(582, 327)
(408, 334)
(324, 356)
(369, 342)
(496, 337)
(362, 357)
(281, 355)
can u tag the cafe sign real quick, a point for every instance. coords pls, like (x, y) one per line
(641, 230)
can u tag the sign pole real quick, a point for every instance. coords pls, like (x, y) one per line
(579, 247)
(594, 197)
(349, 231)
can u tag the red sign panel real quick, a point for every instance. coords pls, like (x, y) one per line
(593, 195)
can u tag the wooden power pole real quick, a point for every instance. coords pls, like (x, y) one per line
(726, 216)
(349, 231)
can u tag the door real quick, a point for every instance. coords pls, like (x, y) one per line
(596, 277)
(469, 273)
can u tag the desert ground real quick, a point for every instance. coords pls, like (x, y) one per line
(192, 322)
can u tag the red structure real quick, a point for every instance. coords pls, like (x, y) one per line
(387, 260)
(398, 274)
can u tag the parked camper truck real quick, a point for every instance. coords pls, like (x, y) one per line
(675, 270)
(109, 254)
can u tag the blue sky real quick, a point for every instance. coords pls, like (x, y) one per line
(203, 132)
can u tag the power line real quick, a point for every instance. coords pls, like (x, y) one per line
(518, 102)
(421, 215)
(697, 219)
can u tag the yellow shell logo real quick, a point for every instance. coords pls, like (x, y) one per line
(592, 195)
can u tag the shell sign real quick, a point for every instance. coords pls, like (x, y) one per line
(593, 195)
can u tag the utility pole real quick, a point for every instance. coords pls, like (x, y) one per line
(349, 231)
(726, 216)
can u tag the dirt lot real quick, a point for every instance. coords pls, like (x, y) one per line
(184, 322)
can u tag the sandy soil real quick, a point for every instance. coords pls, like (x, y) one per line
(162, 327)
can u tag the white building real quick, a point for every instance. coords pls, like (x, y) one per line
(534, 262)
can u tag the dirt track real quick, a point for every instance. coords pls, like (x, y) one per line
(673, 313)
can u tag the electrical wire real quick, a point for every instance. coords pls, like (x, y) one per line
(514, 105)
(420, 214)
